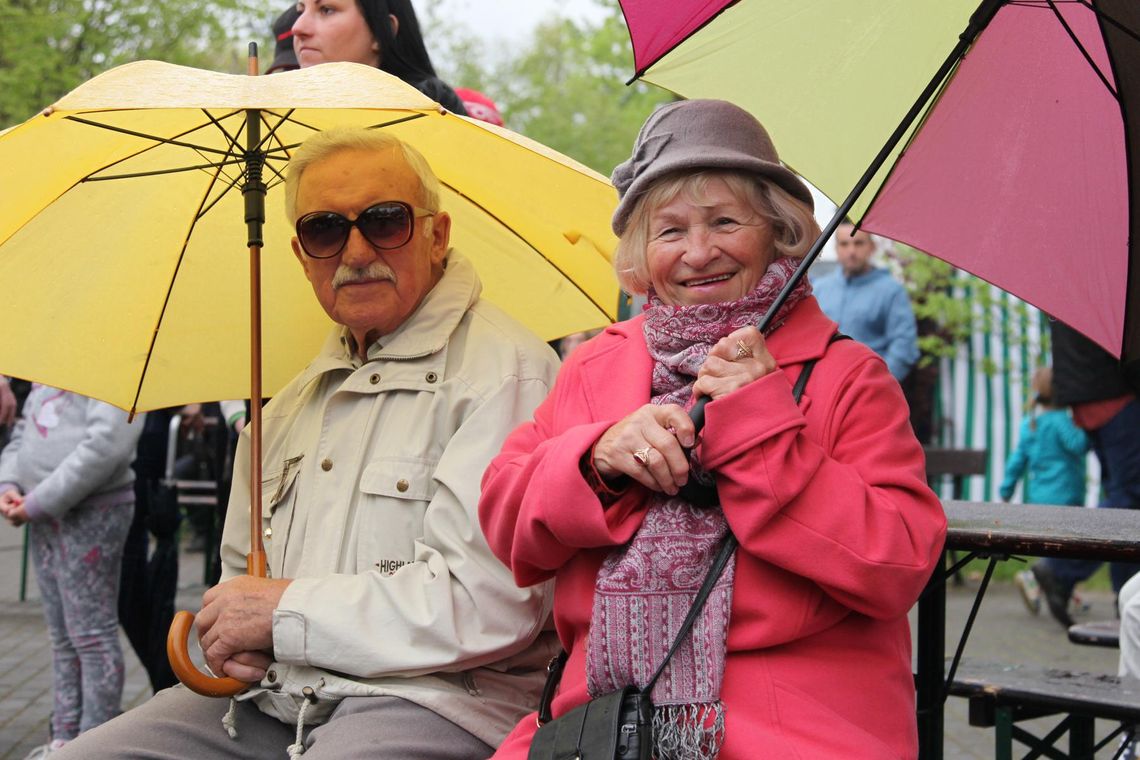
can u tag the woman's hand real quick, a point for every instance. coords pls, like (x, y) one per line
(735, 361)
(648, 446)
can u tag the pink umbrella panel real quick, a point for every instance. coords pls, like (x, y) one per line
(1024, 166)
(1020, 174)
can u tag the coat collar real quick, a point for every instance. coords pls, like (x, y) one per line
(802, 337)
(424, 333)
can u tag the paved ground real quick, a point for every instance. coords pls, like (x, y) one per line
(1004, 633)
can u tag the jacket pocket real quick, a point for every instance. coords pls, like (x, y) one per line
(395, 493)
(278, 495)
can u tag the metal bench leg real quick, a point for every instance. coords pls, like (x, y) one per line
(1082, 737)
(931, 663)
(1003, 733)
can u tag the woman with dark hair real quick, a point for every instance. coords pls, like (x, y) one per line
(380, 33)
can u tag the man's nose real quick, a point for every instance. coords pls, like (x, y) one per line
(357, 250)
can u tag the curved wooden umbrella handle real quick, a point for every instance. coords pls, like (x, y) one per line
(177, 650)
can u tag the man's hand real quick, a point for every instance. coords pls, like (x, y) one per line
(235, 626)
(7, 403)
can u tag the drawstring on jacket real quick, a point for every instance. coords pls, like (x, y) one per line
(229, 720)
(297, 748)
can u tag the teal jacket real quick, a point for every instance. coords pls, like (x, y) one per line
(1054, 457)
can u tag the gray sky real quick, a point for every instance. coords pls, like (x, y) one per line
(508, 20)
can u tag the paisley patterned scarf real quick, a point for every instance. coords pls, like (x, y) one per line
(645, 589)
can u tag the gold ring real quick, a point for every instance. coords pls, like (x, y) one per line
(742, 351)
(642, 456)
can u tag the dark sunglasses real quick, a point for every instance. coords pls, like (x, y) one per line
(387, 225)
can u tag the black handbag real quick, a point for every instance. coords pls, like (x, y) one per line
(619, 725)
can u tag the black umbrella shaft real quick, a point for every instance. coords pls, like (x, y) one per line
(978, 21)
(253, 189)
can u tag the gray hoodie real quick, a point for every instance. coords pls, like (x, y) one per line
(66, 448)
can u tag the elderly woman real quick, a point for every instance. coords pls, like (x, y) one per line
(803, 648)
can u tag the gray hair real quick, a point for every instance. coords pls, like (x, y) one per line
(323, 144)
(792, 222)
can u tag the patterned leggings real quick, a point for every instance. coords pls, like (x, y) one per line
(77, 560)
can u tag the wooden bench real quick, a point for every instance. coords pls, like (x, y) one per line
(957, 464)
(998, 532)
(1001, 696)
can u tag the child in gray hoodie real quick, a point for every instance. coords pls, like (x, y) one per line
(66, 472)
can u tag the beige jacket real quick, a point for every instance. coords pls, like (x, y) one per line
(371, 479)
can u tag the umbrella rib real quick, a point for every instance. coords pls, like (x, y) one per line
(527, 243)
(638, 73)
(1088, 58)
(133, 133)
(1134, 34)
(170, 289)
(156, 172)
(272, 135)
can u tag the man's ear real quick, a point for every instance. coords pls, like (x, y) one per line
(440, 236)
(300, 254)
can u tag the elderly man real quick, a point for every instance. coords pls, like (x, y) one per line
(869, 304)
(387, 629)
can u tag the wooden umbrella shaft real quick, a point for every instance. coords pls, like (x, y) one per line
(255, 562)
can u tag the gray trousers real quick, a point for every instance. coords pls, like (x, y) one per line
(176, 723)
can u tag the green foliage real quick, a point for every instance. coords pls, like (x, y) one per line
(48, 47)
(565, 87)
(951, 305)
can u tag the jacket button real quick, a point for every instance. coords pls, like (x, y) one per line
(326, 465)
(374, 378)
(268, 533)
(431, 377)
(271, 676)
(401, 485)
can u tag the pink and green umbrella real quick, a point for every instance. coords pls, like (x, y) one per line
(1003, 138)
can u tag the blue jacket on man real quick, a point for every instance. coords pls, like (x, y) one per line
(874, 309)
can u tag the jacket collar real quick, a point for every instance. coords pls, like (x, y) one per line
(424, 333)
(803, 336)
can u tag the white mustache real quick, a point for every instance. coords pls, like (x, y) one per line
(377, 270)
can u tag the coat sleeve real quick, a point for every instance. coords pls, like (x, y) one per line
(537, 510)
(11, 455)
(1015, 466)
(1072, 438)
(108, 444)
(455, 606)
(902, 335)
(853, 514)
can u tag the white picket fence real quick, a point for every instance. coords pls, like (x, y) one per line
(983, 392)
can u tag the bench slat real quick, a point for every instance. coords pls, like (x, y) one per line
(1061, 691)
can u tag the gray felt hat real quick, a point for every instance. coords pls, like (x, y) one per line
(695, 135)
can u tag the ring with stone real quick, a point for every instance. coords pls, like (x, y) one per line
(742, 351)
(642, 456)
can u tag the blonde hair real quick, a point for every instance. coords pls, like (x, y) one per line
(791, 221)
(324, 144)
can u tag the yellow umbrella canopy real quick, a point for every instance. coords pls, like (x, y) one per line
(123, 235)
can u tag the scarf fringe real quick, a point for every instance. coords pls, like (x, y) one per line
(692, 731)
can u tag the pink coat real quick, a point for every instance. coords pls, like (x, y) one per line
(838, 534)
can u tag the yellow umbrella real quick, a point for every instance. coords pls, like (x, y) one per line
(122, 227)
(142, 179)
